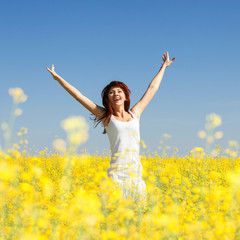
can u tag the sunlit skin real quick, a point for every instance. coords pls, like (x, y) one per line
(118, 106)
(117, 92)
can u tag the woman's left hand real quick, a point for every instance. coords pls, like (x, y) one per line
(166, 60)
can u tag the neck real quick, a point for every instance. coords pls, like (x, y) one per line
(119, 111)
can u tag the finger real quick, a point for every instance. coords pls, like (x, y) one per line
(53, 67)
(173, 59)
(164, 55)
(49, 70)
(167, 55)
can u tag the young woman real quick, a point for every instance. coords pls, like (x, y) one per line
(122, 128)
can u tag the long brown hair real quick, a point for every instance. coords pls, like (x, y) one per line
(108, 109)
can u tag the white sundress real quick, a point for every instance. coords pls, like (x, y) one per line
(125, 166)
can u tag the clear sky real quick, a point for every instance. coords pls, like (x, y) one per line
(94, 42)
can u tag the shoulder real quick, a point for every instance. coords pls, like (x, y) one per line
(136, 112)
(106, 120)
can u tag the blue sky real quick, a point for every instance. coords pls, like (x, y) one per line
(94, 42)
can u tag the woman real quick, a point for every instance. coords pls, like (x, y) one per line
(122, 128)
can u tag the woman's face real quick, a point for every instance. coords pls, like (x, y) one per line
(116, 96)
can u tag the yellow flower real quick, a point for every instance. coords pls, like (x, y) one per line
(214, 119)
(15, 145)
(25, 187)
(233, 144)
(74, 123)
(197, 149)
(47, 186)
(43, 223)
(143, 144)
(24, 130)
(7, 173)
(217, 121)
(18, 112)
(234, 177)
(59, 144)
(202, 134)
(78, 138)
(27, 176)
(17, 94)
(37, 172)
(218, 135)
(128, 213)
(152, 178)
(165, 135)
(76, 128)
(91, 220)
(215, 152)
(4, 126)
(233, 154)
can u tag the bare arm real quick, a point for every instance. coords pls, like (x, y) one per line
(87, 103)
(152, 88)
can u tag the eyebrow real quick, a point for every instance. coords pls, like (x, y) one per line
(116, 90)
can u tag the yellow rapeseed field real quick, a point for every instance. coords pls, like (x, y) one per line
(52, 196)
(64, 195)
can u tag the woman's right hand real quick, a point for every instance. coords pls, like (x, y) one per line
(54, 74)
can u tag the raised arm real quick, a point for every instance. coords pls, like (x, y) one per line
(152, 88)
(87, 103)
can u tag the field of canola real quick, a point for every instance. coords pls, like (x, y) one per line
(71, 197)
(65, 195)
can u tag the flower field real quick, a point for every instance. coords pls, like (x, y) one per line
(71, 197)
(66, 195)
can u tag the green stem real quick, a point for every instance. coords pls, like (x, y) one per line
(10, 127)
